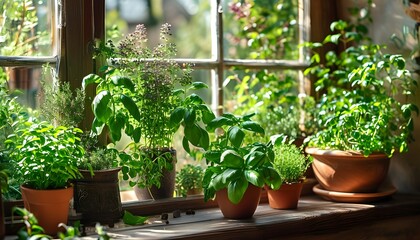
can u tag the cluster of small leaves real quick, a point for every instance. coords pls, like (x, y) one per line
(361, 88)
(46, 157)
(61, 105)
(290, 162)
(188, 178)
(233, 164)
(31, 229)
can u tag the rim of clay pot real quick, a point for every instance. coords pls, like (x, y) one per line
(336, 152)
(116, 169)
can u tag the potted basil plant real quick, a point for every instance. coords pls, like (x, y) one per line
(142, 93)
(364, 108)
(237, 171)
(45, 160)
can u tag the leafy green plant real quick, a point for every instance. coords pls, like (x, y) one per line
(143, 93)
(234, 165)
(188, 178)
(290, 162)
(31, 229)
(61, 105)
(3, 177)
(45, 157)
(364, 104)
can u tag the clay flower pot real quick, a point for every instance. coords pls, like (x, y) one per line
(50, 207)
(344, 171)
(245, 208)
(286, 197)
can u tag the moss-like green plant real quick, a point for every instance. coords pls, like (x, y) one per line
(190, 177)
(290, 162)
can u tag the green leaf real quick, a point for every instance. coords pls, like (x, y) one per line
(207, 113)
(136, 134)
(189, 117)
(131, 106)
(254, 177)
(255, 159)
(219, 122)
(123, 81)
(176, 116)
(186, 145)
(213, 156)
(100, 106)
(236, 136)
(231, 159)
(199, 85)
(131, 219)
(193, 134)
(89, 79)
(272, 178)
(236, 190)
(97, 126)
(204, 139)
(252, 126)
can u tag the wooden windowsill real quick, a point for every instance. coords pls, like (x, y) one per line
(315, 218)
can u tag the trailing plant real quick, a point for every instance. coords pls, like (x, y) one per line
(234, 165)
(142, 92)
(290, 162)
(188, 178)
(45, 157)
(364, 104)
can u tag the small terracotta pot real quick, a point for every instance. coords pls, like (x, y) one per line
(344, 171)
(245, 208)
(50, 207)
(286, 197)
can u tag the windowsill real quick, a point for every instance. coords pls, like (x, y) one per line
(315, 218)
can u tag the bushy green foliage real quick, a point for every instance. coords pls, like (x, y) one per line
(234, 164)
(188, 178)
(45, 157)
(364, 104)
(290, 162)
(61, 105)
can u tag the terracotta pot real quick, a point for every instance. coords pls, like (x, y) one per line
(167, 185)
(286, 197)
(344, 171)
(97, 197)
(50, 207)
(245, 208)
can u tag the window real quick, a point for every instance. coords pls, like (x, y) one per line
(28, 40)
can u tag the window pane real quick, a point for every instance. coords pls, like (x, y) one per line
(190, 20)
(25, 83)
(25, 29)
(272, 95)
(261, 29)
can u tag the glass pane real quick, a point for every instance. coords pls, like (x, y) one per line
(274, 97)
(25, 28)
(25, 83)
(190, 20)
(261, 29)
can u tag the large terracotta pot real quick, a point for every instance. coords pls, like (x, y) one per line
(286, 197)
(97, 197)
(245, 208)
(50, 207)
(167, 184)
(344, 171)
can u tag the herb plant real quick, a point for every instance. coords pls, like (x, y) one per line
(364, 104)
(45, 157)
(143, 93)
(233, 164)
(290, 162)
(188, 178)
